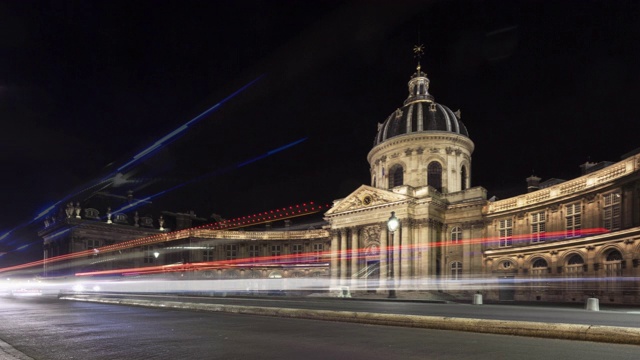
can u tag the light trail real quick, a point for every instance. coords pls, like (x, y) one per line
(255, 219)
(109, 179)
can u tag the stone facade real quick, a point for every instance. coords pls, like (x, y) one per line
(567, 241)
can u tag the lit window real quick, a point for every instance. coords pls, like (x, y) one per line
(456, 235)
(611, 211)
(573, 220)
(505, 229)
(538, 227)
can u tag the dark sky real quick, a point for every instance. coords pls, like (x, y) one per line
(543, 87)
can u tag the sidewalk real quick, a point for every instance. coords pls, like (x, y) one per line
(582, 332)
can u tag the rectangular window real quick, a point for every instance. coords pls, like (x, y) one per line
(456, 235)
(456, 270)
(538, 227)
(93, 244)
(505, 229)
(573, 220)
(318, 248)
(276, 250)
(611, 211)
(207, 254)
(254, 251)
(296, 249)
(232, 251)
(148, 254)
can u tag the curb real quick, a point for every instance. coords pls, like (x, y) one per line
(598, 333)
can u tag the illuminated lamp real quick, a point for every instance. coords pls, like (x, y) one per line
(392, 225)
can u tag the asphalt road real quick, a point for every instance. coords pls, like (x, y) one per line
(48, 328)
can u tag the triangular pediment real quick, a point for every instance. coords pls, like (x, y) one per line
(365, 197)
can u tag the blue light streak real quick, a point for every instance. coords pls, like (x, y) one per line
(172, 136)
(109, 179)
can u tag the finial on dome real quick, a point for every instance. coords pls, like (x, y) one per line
(418, 51)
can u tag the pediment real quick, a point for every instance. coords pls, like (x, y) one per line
(365, 197)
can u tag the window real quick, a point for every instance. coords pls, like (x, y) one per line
(573, 220)
(232, 251)
(93, 244)
(276, 250)
(254, 251)
(574, 270)
(456, 270)
(611, 211)
(539, 267)
(505, 229)
(463, 178)
(396, 176)
(434, 175)
(318, 248)
(538, 227)
(296, 249)
(207, 254)
(456, 235)
(612, 269)
(147, 257)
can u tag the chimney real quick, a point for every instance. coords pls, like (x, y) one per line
(586, 166)
(533, 183)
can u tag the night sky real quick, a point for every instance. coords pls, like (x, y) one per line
(543, 86)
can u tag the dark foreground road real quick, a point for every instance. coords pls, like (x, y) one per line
(51, 329)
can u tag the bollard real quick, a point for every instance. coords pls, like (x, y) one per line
(477, 299)
(593, 304)
(345, 293)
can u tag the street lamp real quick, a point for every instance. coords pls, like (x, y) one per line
(392, 225)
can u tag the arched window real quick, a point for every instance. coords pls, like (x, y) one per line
(463, 178)
(396, 176)
(575, 260)
(456, 235)
(574, 270)
(612, 270)
(539, 263)
(456, 270)
(614, 255)
(434, 175)
(539, 268)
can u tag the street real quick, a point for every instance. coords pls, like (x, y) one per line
(47, 328)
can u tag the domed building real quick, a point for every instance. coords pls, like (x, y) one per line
(421, 225)
(421, 172)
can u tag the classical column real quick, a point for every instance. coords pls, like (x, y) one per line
(384, 269)
(396, 253)
(406, 253)
(334, 258)
(355, 256)
(343, 256)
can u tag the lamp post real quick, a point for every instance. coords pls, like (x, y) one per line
(392, 226)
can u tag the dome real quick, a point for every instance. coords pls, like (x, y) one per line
(420, 113)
